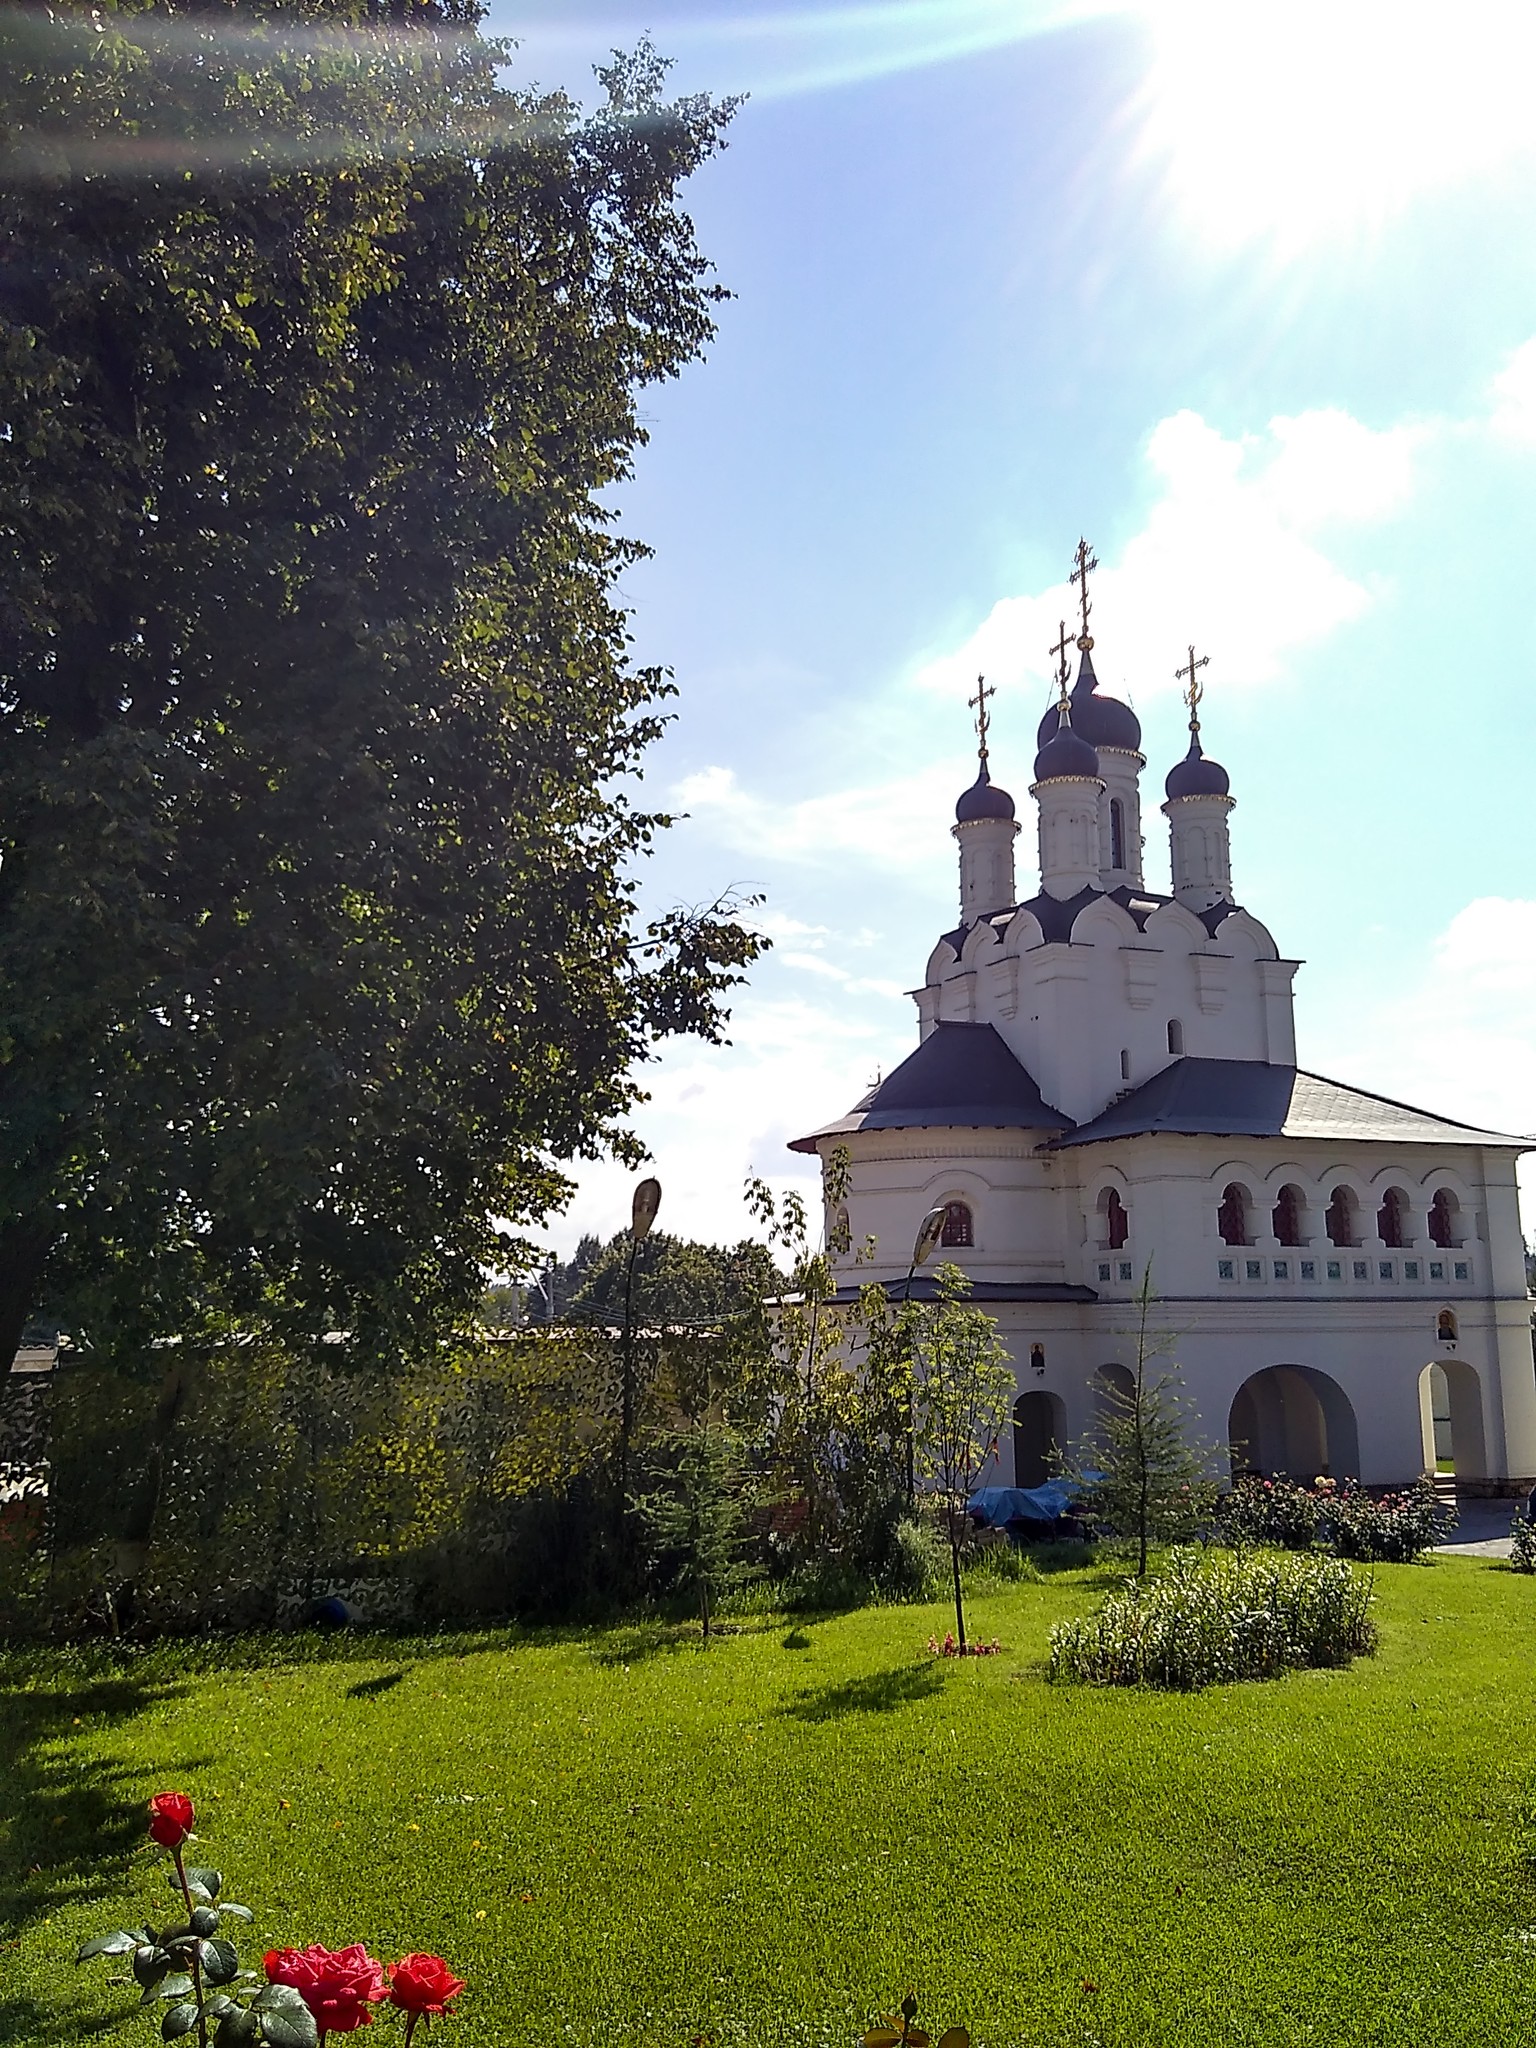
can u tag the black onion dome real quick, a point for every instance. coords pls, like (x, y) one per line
(1196, 776)
(983, 800)
(1101, 721)
(1066, 753)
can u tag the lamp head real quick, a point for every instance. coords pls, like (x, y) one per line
(929, 1231)
(643, 1209)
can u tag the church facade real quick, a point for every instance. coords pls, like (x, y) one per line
(1106, 1079)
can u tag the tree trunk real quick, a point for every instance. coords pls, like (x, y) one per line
(954, 1560)
(131, 1551)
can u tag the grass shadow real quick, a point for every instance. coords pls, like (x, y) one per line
(24, 2020)
(372, 1688)
(882, 1692)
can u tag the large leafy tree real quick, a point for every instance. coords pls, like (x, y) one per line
(319, 947)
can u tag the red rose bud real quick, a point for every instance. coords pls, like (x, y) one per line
(170, 1819)
(423, 1984)
(338, 1986)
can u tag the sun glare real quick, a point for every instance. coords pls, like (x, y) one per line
(1323, 118)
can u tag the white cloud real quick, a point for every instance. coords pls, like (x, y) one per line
(717, 1113)
(1462, 1041)
(1230, 555)
(1514, 396)
(894, 824)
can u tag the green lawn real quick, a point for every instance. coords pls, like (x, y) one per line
(616, 1836)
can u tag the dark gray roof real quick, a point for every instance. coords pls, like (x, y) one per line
(1247, 1099)
(925, 1288)
(962, 1075)
(984, 799)
(1057, 915)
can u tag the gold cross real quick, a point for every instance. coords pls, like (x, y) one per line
(978, 704)
(1196, 689)
(1060, 652)
(1086, 559)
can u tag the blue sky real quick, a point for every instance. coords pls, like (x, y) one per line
(1248, 297)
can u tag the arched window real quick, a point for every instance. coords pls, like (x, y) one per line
(1341, 1218)
(1116, 1225)
(1125, 1065)
(1443, 1219)
(1232, 1216)
(1445, 1326)
(958, 1230)
(1287, 1217)
(1175, 1035)
(1392, 1220)
(1116, 833)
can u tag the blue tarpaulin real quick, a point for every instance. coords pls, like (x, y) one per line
(995, 1507)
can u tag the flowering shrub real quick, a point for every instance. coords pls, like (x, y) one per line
(1285, 1515)
(308, 1993)
(1209, 1620)
(1522, 1548)
(1276, 1512)
(950, 1648)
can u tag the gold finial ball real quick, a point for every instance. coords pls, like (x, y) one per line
(1085, 643)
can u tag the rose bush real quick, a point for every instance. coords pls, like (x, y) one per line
(308, 1994)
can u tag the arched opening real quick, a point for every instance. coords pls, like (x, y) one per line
(1116, 833)
(959, 1232)
(1175, 1035)
(1293, 1419)
(1125, 1064)
(1113, 1386)
(1037, 1432)
(1232, 1216)
(1114, 1223)
(1343, 1210)
(1289, 1211)
(1392, 1225)
(1445, 1220)
(1451, 1419)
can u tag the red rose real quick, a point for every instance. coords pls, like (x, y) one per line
(337, 1987)
(423, 1984)
(170, 1819)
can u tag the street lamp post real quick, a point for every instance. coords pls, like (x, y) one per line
(929, 1231)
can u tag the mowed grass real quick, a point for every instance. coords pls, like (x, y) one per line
(617, 1836)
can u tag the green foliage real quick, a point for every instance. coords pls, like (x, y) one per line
(1146, 1480)
(1209, 1620)
(1522, 1545)
(1348, 1845)
(696, 1512)
(676, 1281)
(467, 1487)
(963, 1390)
(839, 1376)
(320, 347)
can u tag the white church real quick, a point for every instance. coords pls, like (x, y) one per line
(1106, 1076)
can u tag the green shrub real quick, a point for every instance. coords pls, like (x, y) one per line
(1210, 1619)
(1522, 1550)
(1395, 1529)
(916, 1563)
